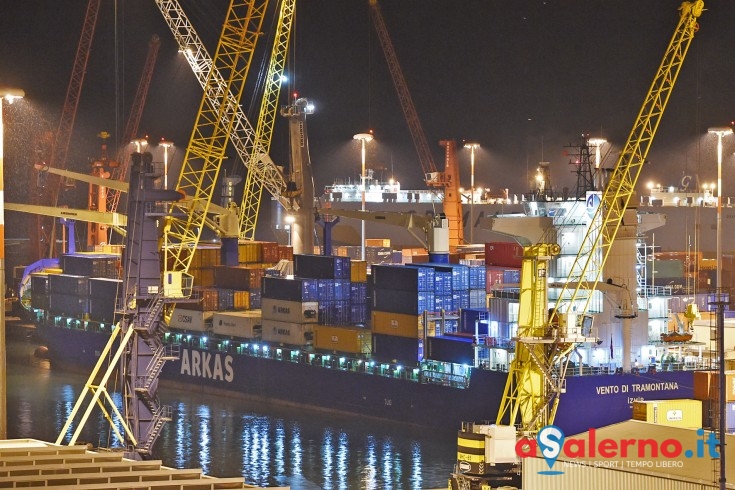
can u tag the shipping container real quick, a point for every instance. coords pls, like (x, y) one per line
(449, 348)
(191, 320)
(72, 305)
(358, 271)
(398, 350)
(104, 287)
(358, 313)
(91, 265)
(477, 277)
(474, 321)
(321, 266)
(68, 284)
(358, 292)
(503, 254)
(706, 385)
(269, 251)
(397, 277)
(377, 242)
(289, 311)
(478, 298)
(102, 308)
(237, 324)
(379, 255)
(673, 413)
(238, 277)
(249, 252)
(407, 302)
(460, 274)
(388, 323)
(334, 312)
(298, 334)
(296, 289)
(350, 340)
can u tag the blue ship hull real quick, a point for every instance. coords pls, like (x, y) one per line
(590, 401)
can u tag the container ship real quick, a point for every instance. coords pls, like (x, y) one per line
(414, 342)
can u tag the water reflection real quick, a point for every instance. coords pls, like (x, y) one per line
(266, 445)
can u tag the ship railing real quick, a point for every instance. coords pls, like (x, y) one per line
(444, 379)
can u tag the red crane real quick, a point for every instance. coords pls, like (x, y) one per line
(448, 180)
(43, 235)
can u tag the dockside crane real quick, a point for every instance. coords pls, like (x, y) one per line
(447, 180)
(546, 337)
(43, 235)
(120, 171)
(264, 172)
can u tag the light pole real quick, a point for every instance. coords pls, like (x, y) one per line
(720, 304)
(166, 145)
(472, 147)
(290, 219)
(720, 132)
(597, 143)
(10, 95)
(363, 138)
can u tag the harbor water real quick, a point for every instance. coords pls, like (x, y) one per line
(226, 437)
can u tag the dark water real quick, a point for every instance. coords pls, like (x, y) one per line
(267, 445)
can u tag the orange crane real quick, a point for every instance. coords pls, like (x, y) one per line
(43, 235)
(105, 199)
(448, 180)
(131, 128)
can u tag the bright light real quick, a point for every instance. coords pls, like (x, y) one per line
(290, 219)
(366, 137)
(472, 146)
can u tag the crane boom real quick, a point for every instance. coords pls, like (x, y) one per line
(214, 123)
(254, 180)
(242, 132)
(120, 173)
(448, 179)
(404, 95)
(60, 147)
(537, 373)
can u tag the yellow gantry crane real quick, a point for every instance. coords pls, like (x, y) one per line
(265, 174)
(214, 123)
(546, 338)
(258, 166)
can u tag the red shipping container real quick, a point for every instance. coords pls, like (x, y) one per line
(493, 276)
(270, 252)
(503, 254)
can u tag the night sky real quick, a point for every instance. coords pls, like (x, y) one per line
(522, 78)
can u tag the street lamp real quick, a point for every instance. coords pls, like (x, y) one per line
(597, 143)
(139, 143)
(363, 138)
(166, 145)
(290, 219)
(472, 147)
(720, 132)
(720, 304)
(9, 95)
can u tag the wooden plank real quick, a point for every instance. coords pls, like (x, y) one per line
(85, 467)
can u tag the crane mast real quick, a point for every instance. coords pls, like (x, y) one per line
(257, 169)
(448, 180)
(546, 338)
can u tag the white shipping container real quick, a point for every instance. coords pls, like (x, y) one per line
(245, 324)
(288, 332)
(289, 311)
(192, 320)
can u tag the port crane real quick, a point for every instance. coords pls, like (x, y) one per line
(546, 338)
(44, 233)
(448, 180)
(250, 145)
